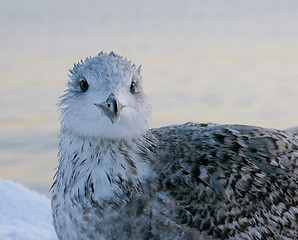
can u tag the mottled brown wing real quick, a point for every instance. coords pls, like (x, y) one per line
(230, 180)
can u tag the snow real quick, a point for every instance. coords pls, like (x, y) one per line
(24, 214)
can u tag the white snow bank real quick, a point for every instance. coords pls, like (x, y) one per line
(24, 214)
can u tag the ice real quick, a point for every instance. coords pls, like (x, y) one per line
(24, 214)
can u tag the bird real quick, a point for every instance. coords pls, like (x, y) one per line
(119, 179)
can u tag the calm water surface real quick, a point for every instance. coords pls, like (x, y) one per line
(204, 61)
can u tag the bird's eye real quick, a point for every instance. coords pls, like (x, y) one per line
(133, 87)
(84, 85)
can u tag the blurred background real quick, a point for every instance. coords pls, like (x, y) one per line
(204, 61)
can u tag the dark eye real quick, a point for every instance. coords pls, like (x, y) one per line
(84, 85)
(133, 87)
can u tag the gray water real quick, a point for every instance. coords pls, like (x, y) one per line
(205, 61)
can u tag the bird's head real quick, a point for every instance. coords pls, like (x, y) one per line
(105, 99)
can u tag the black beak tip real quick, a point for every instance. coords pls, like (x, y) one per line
(111, 108)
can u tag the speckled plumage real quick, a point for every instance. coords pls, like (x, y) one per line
(119, 180)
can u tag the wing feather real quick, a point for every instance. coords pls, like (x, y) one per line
(230, 179)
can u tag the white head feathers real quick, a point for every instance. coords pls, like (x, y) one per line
(91, 84)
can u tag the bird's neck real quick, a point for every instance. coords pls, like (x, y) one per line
(108, 166)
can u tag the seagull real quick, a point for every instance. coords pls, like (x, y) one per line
(117, 179)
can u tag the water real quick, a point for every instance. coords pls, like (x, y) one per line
(205, 61)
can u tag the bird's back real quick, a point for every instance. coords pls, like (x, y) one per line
(230, 181)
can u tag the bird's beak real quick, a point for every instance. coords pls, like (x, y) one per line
(111, 107)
